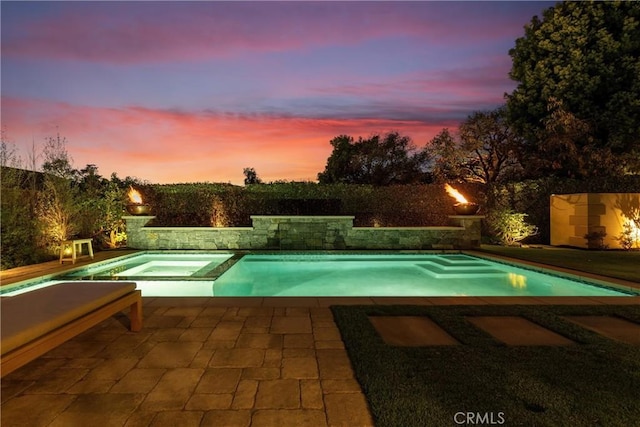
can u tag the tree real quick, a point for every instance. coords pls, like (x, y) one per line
(584, 56)
(91, 183)
(111, 227)
(100, 205)
(447, 159)
(57, 161)
(490, 144)
(387, 160)
(485, 152)
(58, 211)
(569, 148)
(251, 177)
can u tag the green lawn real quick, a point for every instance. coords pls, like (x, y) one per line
(593, 382)
(619, 264)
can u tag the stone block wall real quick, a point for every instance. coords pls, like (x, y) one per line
(304, 233)
(404, 238)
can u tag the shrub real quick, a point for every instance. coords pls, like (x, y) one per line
(510, 227)
(595, 239)
(111, 230)
(629, 237)
(57, 211)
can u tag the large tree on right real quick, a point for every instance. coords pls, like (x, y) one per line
(578, 99)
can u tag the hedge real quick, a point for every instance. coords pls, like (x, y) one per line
(402, 205)
(216, 205)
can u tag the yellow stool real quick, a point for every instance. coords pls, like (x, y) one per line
(76, 248)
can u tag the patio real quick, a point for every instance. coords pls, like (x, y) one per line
(210, 361)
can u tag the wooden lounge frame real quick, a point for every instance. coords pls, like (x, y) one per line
(33, 349)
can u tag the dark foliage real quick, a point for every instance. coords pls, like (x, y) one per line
(251, 176)
(227, 205)
(578, 70)
(388, 160)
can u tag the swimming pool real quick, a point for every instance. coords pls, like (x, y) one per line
(392, 275)
(318, 274)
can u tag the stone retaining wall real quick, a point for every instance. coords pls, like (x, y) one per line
(304, 233)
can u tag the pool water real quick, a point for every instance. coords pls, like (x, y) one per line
(392, 275)
(155, 273)
(157, 265)
(406, 275)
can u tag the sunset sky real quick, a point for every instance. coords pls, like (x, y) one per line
(196, 91)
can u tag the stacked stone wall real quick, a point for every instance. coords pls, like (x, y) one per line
(304, 233)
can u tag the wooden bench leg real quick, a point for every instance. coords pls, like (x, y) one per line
(63, 247)
(135, 316)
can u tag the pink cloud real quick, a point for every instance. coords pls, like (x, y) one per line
(169, 146)
(481, 84)
(134, 32)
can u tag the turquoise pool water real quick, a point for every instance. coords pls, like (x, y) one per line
(407, 275)
(156, 273)
(155, 265)
(392, 275)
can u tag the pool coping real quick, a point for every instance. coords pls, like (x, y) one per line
(323, 302)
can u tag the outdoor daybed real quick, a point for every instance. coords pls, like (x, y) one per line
(35, 322)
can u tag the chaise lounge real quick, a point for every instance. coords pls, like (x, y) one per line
(35, 322)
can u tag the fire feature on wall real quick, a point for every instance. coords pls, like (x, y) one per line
(463, 207)
(137, 207)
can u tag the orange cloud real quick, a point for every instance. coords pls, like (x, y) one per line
(165, 146)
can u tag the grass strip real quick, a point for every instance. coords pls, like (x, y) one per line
(618, 264)
(594, 382)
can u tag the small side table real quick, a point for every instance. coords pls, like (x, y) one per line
(76, 248)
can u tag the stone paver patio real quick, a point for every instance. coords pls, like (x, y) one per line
(194, 365)
(208, 362)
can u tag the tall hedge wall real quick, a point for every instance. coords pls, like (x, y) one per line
(226, 205)
(404, 205)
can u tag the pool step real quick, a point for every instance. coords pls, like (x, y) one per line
(457, 257)
(467, 263)
(454, 272)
